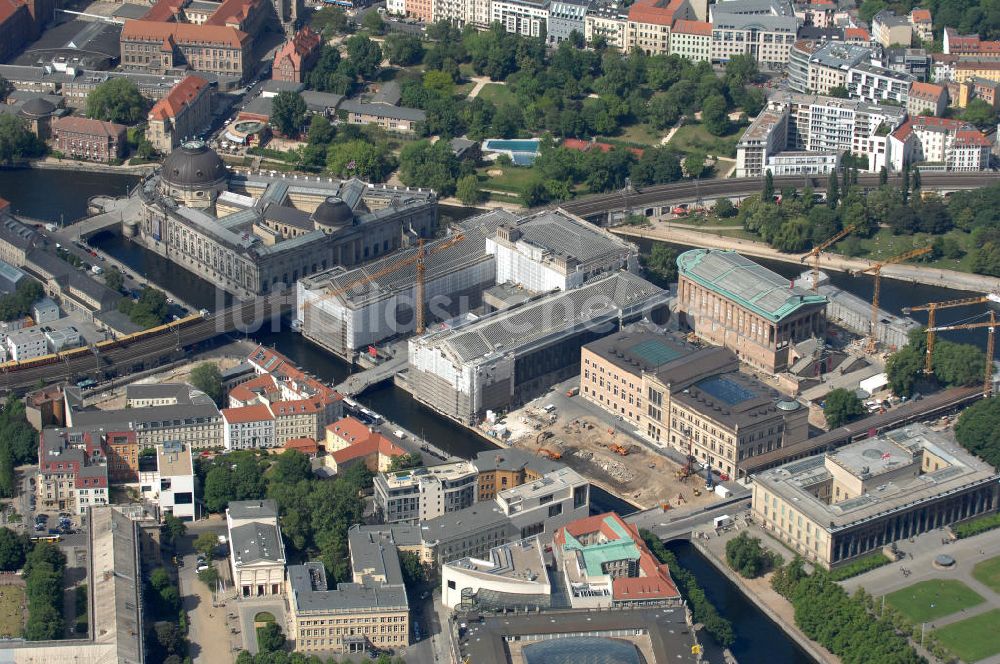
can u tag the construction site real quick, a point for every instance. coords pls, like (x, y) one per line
(599, 448)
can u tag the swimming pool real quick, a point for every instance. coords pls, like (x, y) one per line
(522, 151)
(511, 145)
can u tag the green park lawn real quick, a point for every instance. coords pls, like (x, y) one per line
(988, 573)
(693, 137)
(884, 244)
(514, 178)
(11, 611)
(936, 598)
(498, 94)
(974, 638)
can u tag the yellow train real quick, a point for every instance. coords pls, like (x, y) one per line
(102, 346)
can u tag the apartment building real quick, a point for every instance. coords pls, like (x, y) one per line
(940, 144)
(163, 48)
(913, 61)
(836, 507)
(149, 395)
(923, 24)
(608, 22)
(927, 99)
(297, 56)
(978, 88)
(817, 67)
(891, 30)
(72, 470)
(766, 135)
(566, 17)
(92, 140)
(730, 301)
(371, 611)
(764, 29)
(183, 114)
(506, 469)
(972, 46)
(122, 451)
(521, 17)
(649, 23)
(248, 428)
(691, 40)
(257, 553)
(462, 12)
(875, 84)
(419, 494)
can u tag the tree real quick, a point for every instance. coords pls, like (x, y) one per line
(842, 406)
(210, 577)
(290, 467)
(362, 159)
(148, 311)
(883, 177)
(838, 91)
(405, 461)
(13, 550)
(114, 280)
(18, 304)
(116, 100)
(170, 639)
(270, 638)
(373, 23)
(467, 190)
(17, 143)
(320, 133)
(414, 573)
(748, 558)
(663, 111)
(206, 543)
(288, 113)
(740, 70)
(661, 263)
(439, 82)
(403, 50)
(6, 87)
(958, 364)
(724, 208)
(833, 191)
(365, 55)
(207, 378)
(768, 192)
(330, 21)
(173, 529)
(656, 166)
(695, 164)
(980, 113)
(713, 115)
(977, 428)
(423, 164)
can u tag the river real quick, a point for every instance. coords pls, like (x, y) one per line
(48, 194)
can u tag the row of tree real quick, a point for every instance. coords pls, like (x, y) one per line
(953, 364)
(18, 443)
(43, 574)
(167, 628)
(18, 304)
(841, 623)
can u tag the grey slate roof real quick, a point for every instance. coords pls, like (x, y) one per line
(256, 542)
(309, 593)
(253, 509)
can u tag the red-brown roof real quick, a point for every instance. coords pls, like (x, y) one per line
(4, 205)
(304, 42)
(350, 429)
(180, 97)
(857, 34)
(231, 12)
(88, 126)
(684, 26)
(244, 414)
(296, 407)
(972, 138)
(920, 16)
(927, 91)
(8, 8)
(304, 445)
(164, 10)
(655, 12)
(377, 444)
(183, 33)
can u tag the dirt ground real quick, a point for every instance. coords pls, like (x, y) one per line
(115, 399)
(583, 440)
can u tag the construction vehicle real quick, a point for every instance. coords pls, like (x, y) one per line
(815, 252)
(620, 450)
(418, 259)
(549, 454)
(876, 270)
(931, 309)
(991, 327)
(573, 391)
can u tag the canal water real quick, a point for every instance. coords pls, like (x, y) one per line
(49, 194)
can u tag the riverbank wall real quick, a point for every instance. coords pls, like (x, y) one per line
(767, 600)
(55, 164)
(921, 274)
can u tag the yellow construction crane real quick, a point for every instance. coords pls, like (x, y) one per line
(876, 270)
(819, 248)
(991, 326)
(417, 258)
(931, 308)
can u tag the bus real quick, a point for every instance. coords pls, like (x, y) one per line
(47, 538)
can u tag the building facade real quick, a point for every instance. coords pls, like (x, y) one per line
(940, 144)
(257, 553)
(297, 56)
(836, 507)
(691, 40)
(92, 140)
(411, 496)
(183, 114)
(730, 301)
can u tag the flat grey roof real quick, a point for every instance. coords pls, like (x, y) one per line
(512, 459)
(253, 509)
(374, 552)
(460, 523)
(254, 542)
(637, 351)
(309, 593)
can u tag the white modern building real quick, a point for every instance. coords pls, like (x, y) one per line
(169, 481)
(44, 311)
(27, 344)
(803, 163)
(257, 553)
(874, 84)
(521, 17)
(511, 574)
(940, 144)
(765, 29)
(817, 67)
(419, 494)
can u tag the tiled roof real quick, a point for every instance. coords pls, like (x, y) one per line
(920, 16)
(927, 91)
(164, 10)
(350, 429)
(655, 12)
(180, 96)
(88, 126)
(859, 34)
(684, 26)
(377, 444)
(304, 42)
(231, 12)
(244, 414)
(183, 33)
(304, 445)
(8, 8)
